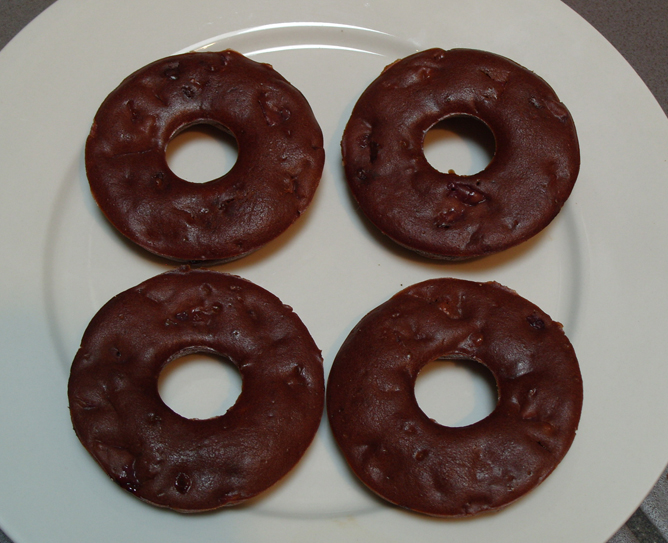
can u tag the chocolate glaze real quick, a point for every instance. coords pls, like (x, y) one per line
(185, 464)
(449, 216)
(277, 171)
(411, 460)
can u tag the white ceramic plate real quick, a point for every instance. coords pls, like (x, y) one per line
(598, 268)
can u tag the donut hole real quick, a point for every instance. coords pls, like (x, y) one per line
(202, 152)
(459, 144)
(200, 385)
(457, 392)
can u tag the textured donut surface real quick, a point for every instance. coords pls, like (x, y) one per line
(411, 460)
(192, 465)
(278, 168)
(445, 215)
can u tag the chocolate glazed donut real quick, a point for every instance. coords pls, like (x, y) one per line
(411, 460)
(192, 465)
(449, 216)
(277, 171)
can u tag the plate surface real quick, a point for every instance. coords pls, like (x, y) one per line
(595, 268)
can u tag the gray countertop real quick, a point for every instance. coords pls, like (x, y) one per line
(638, 29)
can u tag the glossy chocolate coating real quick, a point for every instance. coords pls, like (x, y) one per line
(192, 465)
(411, 460)
(449, 216)
(276, 174)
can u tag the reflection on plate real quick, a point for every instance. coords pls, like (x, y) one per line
(333, 267)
